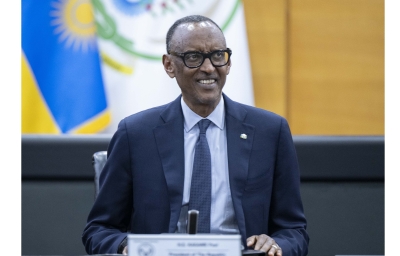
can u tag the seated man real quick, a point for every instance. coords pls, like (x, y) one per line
(234, 163)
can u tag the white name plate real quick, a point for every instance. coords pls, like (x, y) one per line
(184, 245)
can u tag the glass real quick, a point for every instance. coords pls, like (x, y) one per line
(194, 59)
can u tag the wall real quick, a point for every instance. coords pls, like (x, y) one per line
(319, 63)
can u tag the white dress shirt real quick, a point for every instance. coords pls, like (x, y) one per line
(223, 219)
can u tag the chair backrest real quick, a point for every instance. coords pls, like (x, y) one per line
(99, 159)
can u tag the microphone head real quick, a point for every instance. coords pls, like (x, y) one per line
(192, 220)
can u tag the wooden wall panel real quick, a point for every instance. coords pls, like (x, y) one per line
(336, 67)
(267, 29)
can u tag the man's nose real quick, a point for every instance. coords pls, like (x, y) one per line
(207, 66)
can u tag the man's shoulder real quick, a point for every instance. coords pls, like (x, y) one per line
(264, 121)
(145, 118)
(255, 113)
(262, 112)
(147, 113)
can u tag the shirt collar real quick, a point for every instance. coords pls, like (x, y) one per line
(191, 118)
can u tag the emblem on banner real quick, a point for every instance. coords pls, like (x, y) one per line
(145, 249)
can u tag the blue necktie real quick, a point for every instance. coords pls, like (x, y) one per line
(200, 190)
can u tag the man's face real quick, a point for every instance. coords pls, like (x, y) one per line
(201, 87)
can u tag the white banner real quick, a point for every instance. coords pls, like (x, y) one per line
(184, 245)
(132, 41)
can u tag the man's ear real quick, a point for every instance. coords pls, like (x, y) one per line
(168, 65)
(228, 66)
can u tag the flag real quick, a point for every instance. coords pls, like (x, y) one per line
(62, 85)
(131, 38)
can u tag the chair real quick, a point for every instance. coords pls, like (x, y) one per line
(99, 159)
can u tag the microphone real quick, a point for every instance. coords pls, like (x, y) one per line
(192, 222)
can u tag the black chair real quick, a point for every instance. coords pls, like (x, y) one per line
(99, 159)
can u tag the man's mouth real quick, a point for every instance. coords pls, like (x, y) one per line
(208, 81)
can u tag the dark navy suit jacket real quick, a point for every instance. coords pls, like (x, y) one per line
(141, 186)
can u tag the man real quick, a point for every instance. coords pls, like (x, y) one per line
(249, 176)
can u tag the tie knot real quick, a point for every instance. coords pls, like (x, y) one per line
(203, 125)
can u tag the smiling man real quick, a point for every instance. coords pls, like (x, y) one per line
(233, 163)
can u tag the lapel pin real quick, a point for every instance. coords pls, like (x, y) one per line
(243, 136)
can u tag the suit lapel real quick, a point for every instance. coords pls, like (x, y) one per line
(239, 149)
(170, 142)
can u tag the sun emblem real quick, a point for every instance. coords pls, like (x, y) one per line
(74, 22)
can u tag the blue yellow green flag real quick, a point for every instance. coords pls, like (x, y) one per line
(62, 85)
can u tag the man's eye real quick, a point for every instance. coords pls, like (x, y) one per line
(193, 56)
(218, 56)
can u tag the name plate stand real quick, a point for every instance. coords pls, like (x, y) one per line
(184, 245)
